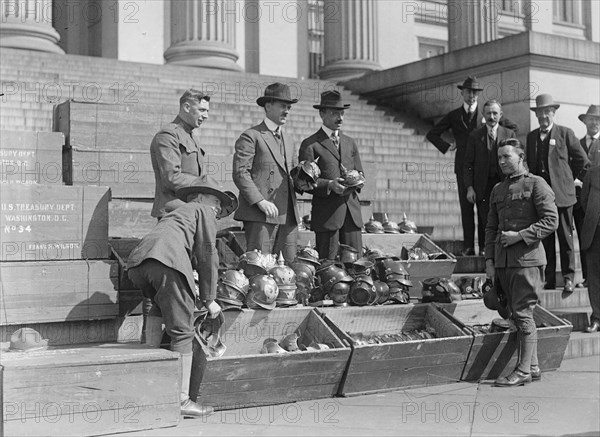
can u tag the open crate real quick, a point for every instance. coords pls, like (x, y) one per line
(390, 366)
(244, 377)
(495, 354)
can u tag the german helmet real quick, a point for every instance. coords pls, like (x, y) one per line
(263, 292)
(407, 226)
(390, 227)
(285, 278)
(374, 227)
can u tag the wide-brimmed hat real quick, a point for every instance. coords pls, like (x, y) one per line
(470, 83)
(208, 185)
(544, 101)
(276, 91)
(331, 100)
(593, 111)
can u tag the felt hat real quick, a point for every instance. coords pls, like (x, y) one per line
(276, 91)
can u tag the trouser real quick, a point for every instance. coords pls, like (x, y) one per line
(467, 216)
(567, 251)
(521, 284)
(593, 261)
(578, 215)
(271, 238)
(328, 242)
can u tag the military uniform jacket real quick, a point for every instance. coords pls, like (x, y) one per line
(328, 208)
(564, 153)
(184, 240)
(260, 172)
(524, 204)
(590, 200)
(177, 161)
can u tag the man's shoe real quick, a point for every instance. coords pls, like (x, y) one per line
(515, 379)
(468, 252)
(594, 327)
(582, 284)
(569, 288)
(190, 408)
(536, 373)
(549, 286)
(482, 252)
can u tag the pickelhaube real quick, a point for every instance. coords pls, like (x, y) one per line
(285, 278)
(308, 254)
(407, 226)
(263, 292)
(229, 295)
(373, 226)
(390, 227)
(252, 263)
(351, 178)
(237, 280)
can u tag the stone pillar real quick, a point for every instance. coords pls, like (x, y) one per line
(27, 24)
(471, 22)
(350, 39)
(203, 34)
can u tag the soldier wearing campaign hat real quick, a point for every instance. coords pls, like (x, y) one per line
(162, 266)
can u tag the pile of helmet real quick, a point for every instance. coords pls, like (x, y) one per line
(470, 287)
(305, 266)
(289, 343)
(390, 227)
(441, 290)
(416, 334)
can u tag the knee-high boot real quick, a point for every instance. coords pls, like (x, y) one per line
(190, 408)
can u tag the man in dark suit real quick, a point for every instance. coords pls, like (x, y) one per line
(462, 121)
(481, 171)
(590, 200)
(522, 214)
(262, 162)
(552, 151)
(335, 215)
(591, 145)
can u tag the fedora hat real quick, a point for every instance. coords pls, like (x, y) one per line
(544, 101)
(593, 111)
(208, 185)
(470, 83)
(276, 91)
(331, 100)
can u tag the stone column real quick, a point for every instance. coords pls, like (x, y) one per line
(350, 39)
(471, 22)
(203, 34)
(27, 24)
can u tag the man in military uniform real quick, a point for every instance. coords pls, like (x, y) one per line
(522, 213)
(176, 154)
(162, 266)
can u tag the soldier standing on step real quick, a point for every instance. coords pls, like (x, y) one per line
(522, 213)
(462, 121)
(162, 265)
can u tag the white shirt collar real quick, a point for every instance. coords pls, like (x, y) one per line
(471, 108)
(595, 137)
(329, 131)
(549, 128)
(271, 125)
(495, 128)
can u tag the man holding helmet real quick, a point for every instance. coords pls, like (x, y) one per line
(162, 266)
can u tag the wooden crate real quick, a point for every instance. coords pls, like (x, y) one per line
(31, 157)
(495, 354)
(244, 377)
(90, 390)
(50, 222)
(391, 366)
(57, 291)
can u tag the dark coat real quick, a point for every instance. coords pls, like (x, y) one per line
(565, 152)
(590, 201)
(477, 158)
(328, 208)
(259, 172)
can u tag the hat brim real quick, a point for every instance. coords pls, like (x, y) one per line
(344, 106)
(463, 87)
(583, 116)
(229, 201)
(554, 105)
(262, 101)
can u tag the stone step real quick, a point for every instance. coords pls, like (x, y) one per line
(579, 317)
(582, 344)
(553, 300)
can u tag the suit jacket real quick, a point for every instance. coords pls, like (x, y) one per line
(177, 161)
(524, 204)
(329, 209)
(477, 158)
(184, 240)
(593, 156)
(565, 152)
(454, 121)
(590, 201)
(261, 172)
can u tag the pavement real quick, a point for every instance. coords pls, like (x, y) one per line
(565, 402)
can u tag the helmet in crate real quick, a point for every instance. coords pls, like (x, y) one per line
(285, 277)
(361, 267)
(382, 290)
(338, 293)
(440, 290)
(252, 263)
(392, 270)
(362, 291)
(331, 275)
(347, 254)
(236, 279)
(263, 292)
(309, 255)
(399, 293)
(226, 294)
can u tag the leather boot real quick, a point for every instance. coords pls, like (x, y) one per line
(190, 408)
(154, 331)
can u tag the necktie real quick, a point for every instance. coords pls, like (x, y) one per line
(277, 133)
(543, 134)
(335, 140)
(492, 139)
(589, 140)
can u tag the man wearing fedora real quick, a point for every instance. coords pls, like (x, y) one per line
(555, 154)
(335, 214)
(263, 159)
(162, 266)
(591, 145)
(462, 122)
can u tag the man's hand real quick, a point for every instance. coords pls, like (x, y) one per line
(578, 183)
(490, 270)
(452, 147)
(471, 196)
(336, 186)
(508, 238)
(213, 308)
(304, 186)
(268, 208)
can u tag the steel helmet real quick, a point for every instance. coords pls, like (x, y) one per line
(361, 267)
(237, 280)
(230, 295)
(363, 291)
(316, 294)
(382, 290)
(399, 293)
(331, 275)
(263, 292)
(310, 255)
(347, 254)
(436, 290)
(390, 227)
(469, 285)
(27, 339)
(303, 270)
(373, 226)
(407, 226)
(495, 299)
(290, 342)
(390, 270)
(284, 276)
(252, 263)
(338, 293)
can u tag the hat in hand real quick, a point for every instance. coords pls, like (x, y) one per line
(209, 185)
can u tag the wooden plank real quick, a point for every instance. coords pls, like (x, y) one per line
(46, 222)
